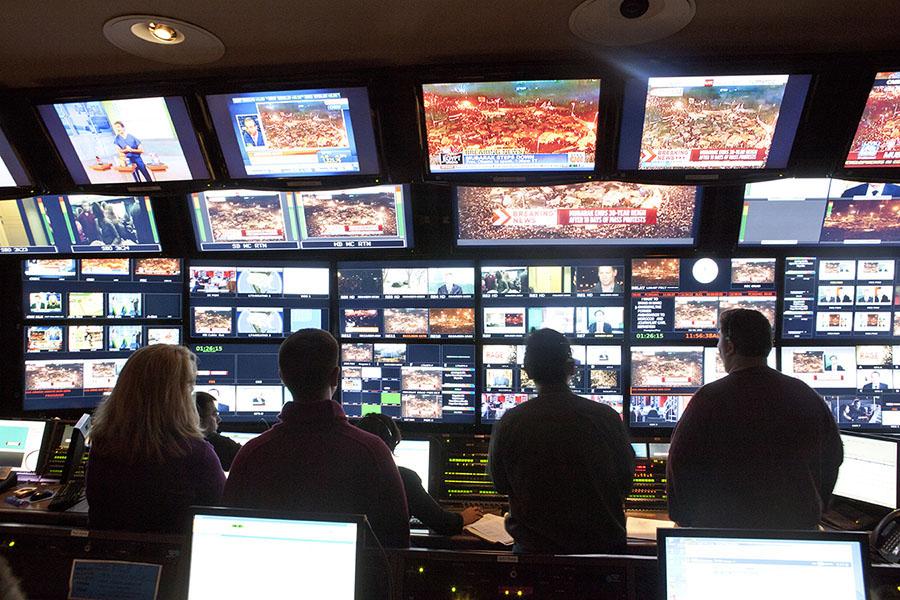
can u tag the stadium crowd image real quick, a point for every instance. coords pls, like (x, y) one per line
(438, 302)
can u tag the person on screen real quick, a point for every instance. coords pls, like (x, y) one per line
(575, 509)
(607, 281)
(732, 464)
(251, 133)
(149, 461)
(313, 460)
(599, 323)
(855, 412)
(872, 189)
(421, 505)
(131, 149)
(449, 287)
(875, 382)
(832, 364)
(226, 448)
(88, 223)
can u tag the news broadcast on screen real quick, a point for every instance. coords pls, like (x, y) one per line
(877, 139)
(541, 125)
(602, 213)
(295, 133)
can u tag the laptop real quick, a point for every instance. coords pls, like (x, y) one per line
(276, 555)
(712, 564)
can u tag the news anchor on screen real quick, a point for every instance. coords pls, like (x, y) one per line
(607, 282)
(130, 147)
(875, 383)
(599, 323)
(251, 133)
(449, 287)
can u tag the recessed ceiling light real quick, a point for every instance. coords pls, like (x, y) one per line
(163, 39)
(629, 22)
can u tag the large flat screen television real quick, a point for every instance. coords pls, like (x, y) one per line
(12, 172)
(592, 213)
(876, 143)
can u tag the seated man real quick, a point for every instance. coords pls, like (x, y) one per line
(313, 460)
(226, 448)
(565, 462)
(756, 449)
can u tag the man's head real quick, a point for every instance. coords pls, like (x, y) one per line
(250, 125)
(599, 316)
(308, 365)
(607, 275)
(832, 359)
(875, 378)
(448, 280)
(548, 357)
(856, 403)
(207, 408)
(745, 337)
(119, 128)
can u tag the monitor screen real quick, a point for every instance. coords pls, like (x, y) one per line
(370, 217)
(416, 456)
(714, 368)
(295, 133)
(663, 380)
(869, 471)
(12, 173)
(820, 212)
(840, 298)
(260, 299)
(681, 298)
(877, 140)
(408, 300)
(598, 377)
(496, 126)
(578, 298)
(710, 565)
(243, 378)
(600, 212)
(318, 557)
(32, 226)
(21, 443)
(711, 122)
(241, 437)
(244, 220)
(84, 317)
(126, 141)
(860, 384)
(431, 383)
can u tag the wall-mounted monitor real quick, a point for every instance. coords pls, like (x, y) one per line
(295, 133)
(598, 377)
(243, 378)
(860, 384)
(244, 220)
(578, 298)
(876, 143)
(592, 213)
(262, 299)
(840, 298)
(540, 126)
(820, 212)
(409, 382)
(711, 122)
(663, 380)
(681, 298)
(133, 143)
(12, 173)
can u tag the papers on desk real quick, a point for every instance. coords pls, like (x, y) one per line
(491, 528)
(645, 529)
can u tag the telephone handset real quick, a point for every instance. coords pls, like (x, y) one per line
(886, 537)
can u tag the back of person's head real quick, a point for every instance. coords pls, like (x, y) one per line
(383, 426)
(206, 409)
(307, 361)
(748, 330)
(150, 413)
(548, 357)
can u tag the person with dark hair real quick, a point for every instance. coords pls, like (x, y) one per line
(131, 149)
(756, 449)
(565, 462)
(313, 459)
(226, 448)
(421, 505)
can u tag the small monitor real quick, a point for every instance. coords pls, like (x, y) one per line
(295, 133)
(12, 173)
(536, 126)
(32, 226)
(876, 143)
(869, 471)
(243, 378)
(99, 224)
(321, 555)
(416, 456)
(355, 218)
(21, 443)
(711, 122)
(131, 142)
(663, 380)
(579, 214)
(709, 564)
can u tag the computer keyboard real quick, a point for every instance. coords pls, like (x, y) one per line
(67, 497)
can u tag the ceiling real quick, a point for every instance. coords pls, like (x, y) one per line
(54, 42)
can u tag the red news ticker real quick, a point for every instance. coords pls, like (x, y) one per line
(606, 216)
(719, 154)
(259, 233)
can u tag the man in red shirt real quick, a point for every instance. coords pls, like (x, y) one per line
(313, 460)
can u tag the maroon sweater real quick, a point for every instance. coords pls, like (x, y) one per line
(754, 450)
(313, 460)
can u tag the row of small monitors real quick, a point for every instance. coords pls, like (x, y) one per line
(437, 383)
(818, 212)
(547, 126)
(669, 299)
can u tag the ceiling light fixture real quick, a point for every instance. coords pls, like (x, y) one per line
(163, 39)
(162, 32)
(629, 22)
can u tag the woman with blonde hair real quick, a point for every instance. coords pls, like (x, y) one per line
(149, 461)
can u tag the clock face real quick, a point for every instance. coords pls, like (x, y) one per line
(705, 270)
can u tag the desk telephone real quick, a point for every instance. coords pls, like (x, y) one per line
(886, 538)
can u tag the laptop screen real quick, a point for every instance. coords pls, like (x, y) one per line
(869, 470)
(279, 557)
(706, 567)
(416, 456)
